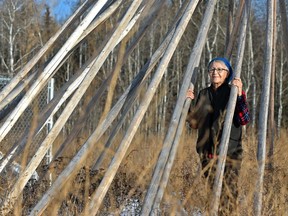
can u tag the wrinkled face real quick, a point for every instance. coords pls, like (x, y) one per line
(218, 72)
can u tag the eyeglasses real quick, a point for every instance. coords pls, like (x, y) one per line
(219, 70)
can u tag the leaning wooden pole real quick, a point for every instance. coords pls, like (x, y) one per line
(48, 71)
(20, 76)
(271, 115)
(229, 23)
(42, 120)
(16, 92)
(138, 82)
(174, 147)
(76, 163)
(134, 91)
(18, 187)
(264, 106)
(97, 198)
(10, 94)
(193, 62)
(233, 36)
(122, 55)
(217, 187)
(62, 98)
(120, 32)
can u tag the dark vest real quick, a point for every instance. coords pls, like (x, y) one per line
(211, 105)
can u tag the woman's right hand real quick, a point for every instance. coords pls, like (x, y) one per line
(190, 94)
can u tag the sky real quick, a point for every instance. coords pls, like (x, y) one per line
(61, 9)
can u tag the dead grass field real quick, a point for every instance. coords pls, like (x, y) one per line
(187, 191)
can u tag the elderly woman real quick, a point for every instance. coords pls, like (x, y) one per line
(209, 112)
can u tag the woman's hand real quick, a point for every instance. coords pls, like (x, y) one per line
(190, 94)
(238, 83)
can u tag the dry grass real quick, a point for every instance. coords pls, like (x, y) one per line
(187, 189)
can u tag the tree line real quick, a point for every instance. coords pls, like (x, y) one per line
(26, 25)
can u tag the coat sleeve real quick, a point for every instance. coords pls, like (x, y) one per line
(241, 110)
(198, 113)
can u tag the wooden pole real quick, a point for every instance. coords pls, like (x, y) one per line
(99, 19)
(16, 92)
(20, 76)
(97, 198)
(264, 106)
(229, 23)
(224, 142)
(132, 90)
(50, 110)
(137, 84)
(61, 98)
(233, 36)
(271, 116)
(138, 81)
(119, 33)
(193, 62)
(174, 147)
(66, 94)
(78, 160)
(69, 108)
(48, 71)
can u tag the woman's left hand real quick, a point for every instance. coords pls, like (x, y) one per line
(190, 94)
(238, 83)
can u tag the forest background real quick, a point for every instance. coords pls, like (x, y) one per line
(26, 25)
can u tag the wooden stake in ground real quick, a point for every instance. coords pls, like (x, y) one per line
(193, 62)
(217, 187)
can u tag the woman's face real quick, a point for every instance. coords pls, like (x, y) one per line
(218, 72)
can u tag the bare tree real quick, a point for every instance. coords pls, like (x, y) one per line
(280, 90)
(282, 7)
(16, 17)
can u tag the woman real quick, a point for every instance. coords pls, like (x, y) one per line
(209, 112)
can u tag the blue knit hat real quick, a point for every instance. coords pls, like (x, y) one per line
(227, 63)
